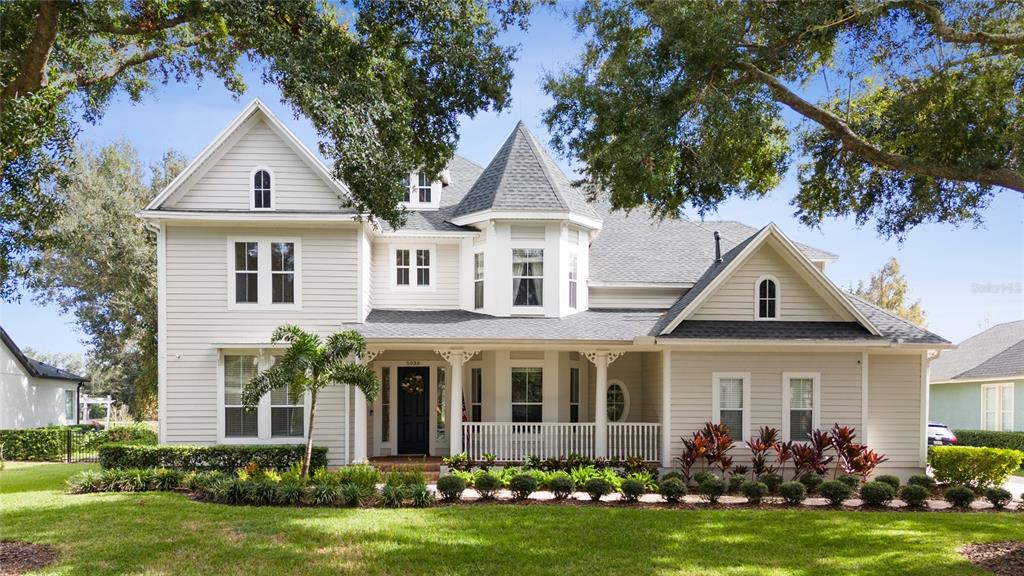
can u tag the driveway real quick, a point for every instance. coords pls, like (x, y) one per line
(1016, 486)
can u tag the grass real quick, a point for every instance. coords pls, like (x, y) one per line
(160, 533)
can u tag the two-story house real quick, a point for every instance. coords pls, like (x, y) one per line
(509, 315)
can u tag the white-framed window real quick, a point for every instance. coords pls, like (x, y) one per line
(262, 193)
(423, 188)
(69, 405)
(766, 298)
(527, 277)
(286, 418)
(413, 267)
(997, 406)
(574, 394)
(730, 402)
(402, 267)
(264, 273)
(422, 267)
(476, 394)
(573, 276)
(801, 405)
(239, 422)
(408, 188)
(274, 419)
(618, 401)
(527, 394)
(478, 280)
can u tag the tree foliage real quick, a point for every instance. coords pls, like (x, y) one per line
(64, 360)
(888, 290)
(383, 82)
(101, 268)
(919, 115)
(310, 364)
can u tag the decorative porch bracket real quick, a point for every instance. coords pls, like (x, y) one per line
(456, 358)
(601, 359)
(370, 354)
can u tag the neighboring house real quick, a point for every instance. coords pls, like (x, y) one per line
(34, 394)
(535, 322)
(980, 384)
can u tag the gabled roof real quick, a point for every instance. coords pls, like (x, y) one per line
(522, 177)
(995, 353)
(733, 259)
(36, 368)
(256, 108)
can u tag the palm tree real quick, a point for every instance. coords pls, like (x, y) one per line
(308, 365)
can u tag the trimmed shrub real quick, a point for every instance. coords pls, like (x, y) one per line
(999, 497)
(561, 485)
(673, 489)
(632, 489)
(450, 487)
(711, 489)
(754, 491)
(959, 496)
(522, 485)
(772, 481)
(850, 480)
(914, 495)
(35, 444)
(597, 487)
(672, 475)
(835, 492)
(923, 480)
(701, 476)
(793, 492)
(812, 482)
(487, 485)
(736, 482)
(877, 493)
(990, 439)
(127, 433)
(889, 479)
(973, 467)
(225, 457)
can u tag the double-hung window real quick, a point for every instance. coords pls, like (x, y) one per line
(527, 277)
(264, 272)
(282, 272)
(424, 188)
(476, 396)
(423, 267)
(997, 407)
(402, 267)
(800, 400)
(478, 280)
(238, 421)
(286, 417)
(730, 399)
(527, 394)
(573, 275)
(247, 275)
(412, 266)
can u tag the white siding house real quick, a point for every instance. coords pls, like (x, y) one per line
(509, 315)
(34, 394)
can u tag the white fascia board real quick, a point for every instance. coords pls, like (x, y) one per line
(428, 234)
(876, 345)
(246, 216)
(485, 215)
(979, 380)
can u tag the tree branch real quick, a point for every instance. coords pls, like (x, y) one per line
(32, 75)
(1004, 177)
(143, 26)
(83, 80)
(947, 33)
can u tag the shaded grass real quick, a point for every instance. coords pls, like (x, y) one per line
(159, 533)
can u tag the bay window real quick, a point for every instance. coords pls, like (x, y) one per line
(527, 277)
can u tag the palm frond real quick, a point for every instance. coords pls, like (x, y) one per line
(348, 345)
(359, 375)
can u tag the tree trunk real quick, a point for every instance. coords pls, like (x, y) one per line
(32, 73)
(307, 461)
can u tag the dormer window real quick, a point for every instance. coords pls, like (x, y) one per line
(424, 188)
(767, 299)
(262, 196)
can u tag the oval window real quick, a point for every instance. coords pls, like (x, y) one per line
(616, 402)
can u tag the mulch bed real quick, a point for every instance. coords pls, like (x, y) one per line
(999, 558)
(20, 557)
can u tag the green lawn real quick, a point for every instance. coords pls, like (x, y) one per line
(167, 533)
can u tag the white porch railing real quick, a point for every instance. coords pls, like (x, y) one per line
(514, 442)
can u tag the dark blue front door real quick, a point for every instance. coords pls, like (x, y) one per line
(413, 413)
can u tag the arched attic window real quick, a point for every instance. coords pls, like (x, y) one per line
(767, 298)
(262, 189)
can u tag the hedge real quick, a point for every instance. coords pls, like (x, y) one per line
(127, 433)
(226, 458)
(38, 444)
(990, 439)
(972, 466)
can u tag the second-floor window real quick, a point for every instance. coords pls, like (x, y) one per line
(527, 277)
(478, 280)
(261, 197)
(282, 271)
(423, 188)
(423, 267)
(767, 299)
(573, 275)
(402, 267)
(247, 276)
(264, 272)
(412, 264)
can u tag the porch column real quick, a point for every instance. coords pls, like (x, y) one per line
(455, 358)
(601, 359)
(359, 423)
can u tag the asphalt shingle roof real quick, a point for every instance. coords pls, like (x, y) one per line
(464, 173)
(781, 330)
(994, 353)
(36, 368)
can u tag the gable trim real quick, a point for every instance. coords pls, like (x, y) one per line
(809, 268)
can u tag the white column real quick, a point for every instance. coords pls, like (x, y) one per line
(455, 404)
(600, 360)
(666, 409)
(359, 423)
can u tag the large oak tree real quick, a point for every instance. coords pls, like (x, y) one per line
(911, 111)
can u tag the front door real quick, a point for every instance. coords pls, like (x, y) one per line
(413, 410)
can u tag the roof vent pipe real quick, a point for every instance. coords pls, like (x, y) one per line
(718, 248)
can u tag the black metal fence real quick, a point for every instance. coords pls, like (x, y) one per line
(79, 448)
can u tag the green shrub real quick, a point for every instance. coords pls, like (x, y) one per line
(959, 496)
(914, 495)
(673, 489)
(167, 479)
(325, 494)
(736, 482)
(260, 492)
(363, 475)
(405, 477)
(672, 475)
(487, 485)
(421, 496)
(392, 495)
(772, 481)
(850, 480)
(290, 492)
(127, 433)
(561, 485)
(597, 487)
(990, 439)
(224, 457)
(701, 476)
(889, 479)
(460, 462)
(632, 489)
(999, 497)
(35, 444)
(450, 487)
(712, 488)
(522, 485)
(754, 491)
(973, 467)
(645, 477)
(812, 482)
(835, 492)
(355, 494)
(468, 477)
(877, 493)
(793, 492)
(85, 482)
(923, 480)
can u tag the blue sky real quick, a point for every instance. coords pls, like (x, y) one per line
(966, 278)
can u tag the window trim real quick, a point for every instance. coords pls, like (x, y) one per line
(393, 249)
(69, 402)
(412, 189)
(480, 280)
(526, 366)
(787, 393)
(757, 298)
(293, 271)
(264, 274)
(252, 189)
(625, 399)
(716, 415)
(998, 386)
(264, 358)
(527, 310)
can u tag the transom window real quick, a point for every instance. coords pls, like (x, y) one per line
(247, 257)
(261, 183)
(528, 277)
(767, 299)
(730, 399)
(238, 422)
(478, 280)
(997, 407)
(616, 402)
(282, 271)
(527, 394)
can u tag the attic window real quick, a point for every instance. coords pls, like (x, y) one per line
(767, 299)
(261, 190)
(424, 188)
